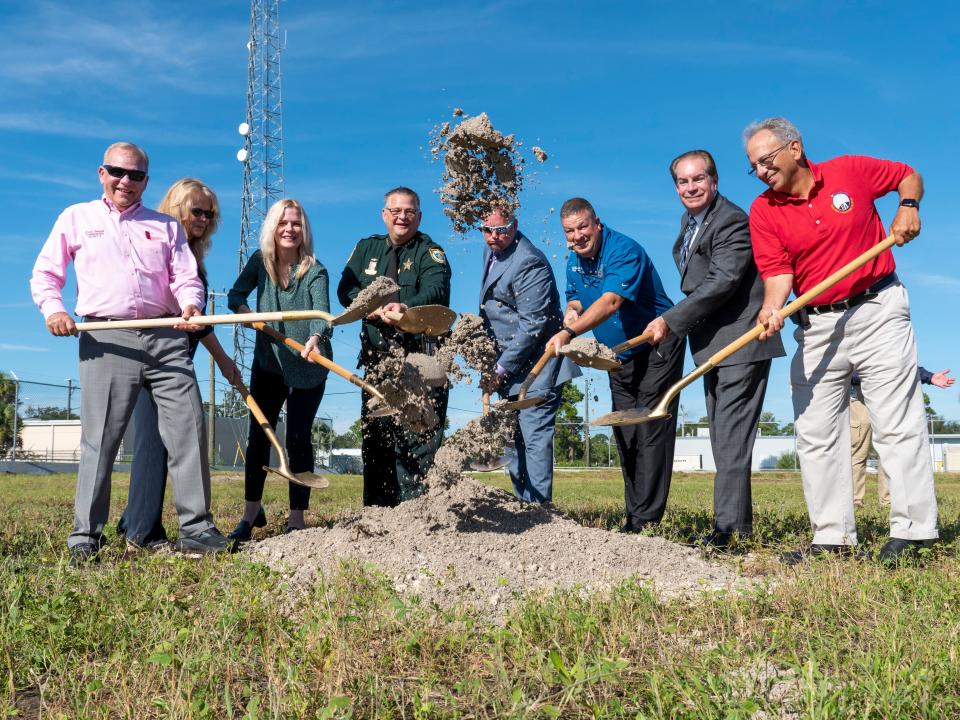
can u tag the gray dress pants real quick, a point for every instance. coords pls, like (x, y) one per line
(115, 365)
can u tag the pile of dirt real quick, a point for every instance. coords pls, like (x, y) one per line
(374, 295)
(467, 542)
(471, 341)
(589, 346)
(483, 170)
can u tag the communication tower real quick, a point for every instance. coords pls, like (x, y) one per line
(262, 151)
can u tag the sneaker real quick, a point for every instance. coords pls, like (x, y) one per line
(83, 553)
(209, 541)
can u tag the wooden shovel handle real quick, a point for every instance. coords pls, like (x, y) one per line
(486, 403)
(317, 357)
(227, 319)
(261, 418)
(804, 299)
(632, 343)
(535, 372)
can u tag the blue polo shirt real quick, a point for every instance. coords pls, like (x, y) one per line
(623, 268)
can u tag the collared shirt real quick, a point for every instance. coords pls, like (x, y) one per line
(129, 265)
(814, 237)
(621, 267)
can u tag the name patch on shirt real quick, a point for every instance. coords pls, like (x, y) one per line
(372, 267)
(93, 233)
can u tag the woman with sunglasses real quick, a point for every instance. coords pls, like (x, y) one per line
(287, 277)
(196, 207)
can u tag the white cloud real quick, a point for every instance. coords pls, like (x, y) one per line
(22, 348)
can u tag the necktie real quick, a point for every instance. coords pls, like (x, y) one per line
(687, 240)
(392, 262)
(490, 264)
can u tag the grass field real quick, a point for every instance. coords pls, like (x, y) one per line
(164, 636)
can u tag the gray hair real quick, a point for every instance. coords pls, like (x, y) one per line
(782, 129)
(129, 147)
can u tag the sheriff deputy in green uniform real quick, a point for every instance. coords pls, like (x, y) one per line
(395, 460)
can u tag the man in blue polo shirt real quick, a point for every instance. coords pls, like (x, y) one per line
(614, 290)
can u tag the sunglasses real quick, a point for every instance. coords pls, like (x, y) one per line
(496, 229)
(119, 172)
(199, 213)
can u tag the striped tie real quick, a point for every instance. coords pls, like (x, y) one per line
(687, 240)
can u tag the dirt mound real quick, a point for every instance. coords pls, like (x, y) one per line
(473, 543)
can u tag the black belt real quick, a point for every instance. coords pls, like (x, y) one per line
(868, 294)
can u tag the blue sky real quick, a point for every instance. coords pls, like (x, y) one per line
(612, 91)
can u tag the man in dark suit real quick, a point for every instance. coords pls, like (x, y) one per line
(724, 294)
(520, 306)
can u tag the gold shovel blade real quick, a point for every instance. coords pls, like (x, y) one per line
(633, 416)
(592, 361)
(307, 479)
(427, 320)
(527, 402)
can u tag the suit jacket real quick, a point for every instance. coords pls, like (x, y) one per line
(520, 306)
(724, 291)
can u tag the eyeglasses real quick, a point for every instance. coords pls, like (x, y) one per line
(402, 212)
(200, 212)
(119, 172)
(766, 161)
(496, 229)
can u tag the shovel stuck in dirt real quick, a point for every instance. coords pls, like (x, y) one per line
(429, 320)
(635, 416)
(497, 463)
(307, 479)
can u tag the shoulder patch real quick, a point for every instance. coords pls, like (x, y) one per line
(438, 256)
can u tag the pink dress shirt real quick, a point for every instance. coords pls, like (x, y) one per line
(130, 265)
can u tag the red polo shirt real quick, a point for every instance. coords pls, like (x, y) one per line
(814, 237)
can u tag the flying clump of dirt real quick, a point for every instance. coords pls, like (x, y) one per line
(483, 170)
(471, 341)
(405, 389)
(481, 440)
(539, 153)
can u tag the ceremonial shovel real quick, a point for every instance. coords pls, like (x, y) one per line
(635, 416)
(307, 479)
(497, 463)
(227, 319)
(430, 320)
(329, 364)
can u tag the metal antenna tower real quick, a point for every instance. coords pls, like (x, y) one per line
(262, 152)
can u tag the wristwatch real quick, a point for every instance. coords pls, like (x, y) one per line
(571, 331)
(910, 202)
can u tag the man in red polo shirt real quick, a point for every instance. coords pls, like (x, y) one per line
(813, 220)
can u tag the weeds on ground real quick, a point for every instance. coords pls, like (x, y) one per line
(164, 636)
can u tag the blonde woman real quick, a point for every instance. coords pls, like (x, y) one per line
(286, 276)
(196, 207)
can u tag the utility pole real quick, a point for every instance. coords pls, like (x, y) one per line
(69, 398)
(16, 406)
(211, 407)
(586, 418)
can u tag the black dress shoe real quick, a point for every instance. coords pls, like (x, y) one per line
(795, 557)
(83, 553)
(291, 529)
(897, 550)
(243, 530)
(209, 541)
(715, 539)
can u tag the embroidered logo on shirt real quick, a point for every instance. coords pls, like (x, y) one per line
(438, 256)
(147, 233)
(93, 233)
(841, 202)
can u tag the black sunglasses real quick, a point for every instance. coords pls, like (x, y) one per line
(199, 213)
(119, 172)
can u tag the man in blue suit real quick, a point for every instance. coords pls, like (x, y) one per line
(520, 306)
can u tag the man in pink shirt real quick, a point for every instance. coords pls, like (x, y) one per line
(131, 263)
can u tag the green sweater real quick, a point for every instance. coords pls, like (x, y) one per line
(311, 292)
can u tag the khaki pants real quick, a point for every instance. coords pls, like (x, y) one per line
(860, 437)
(876, 339)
